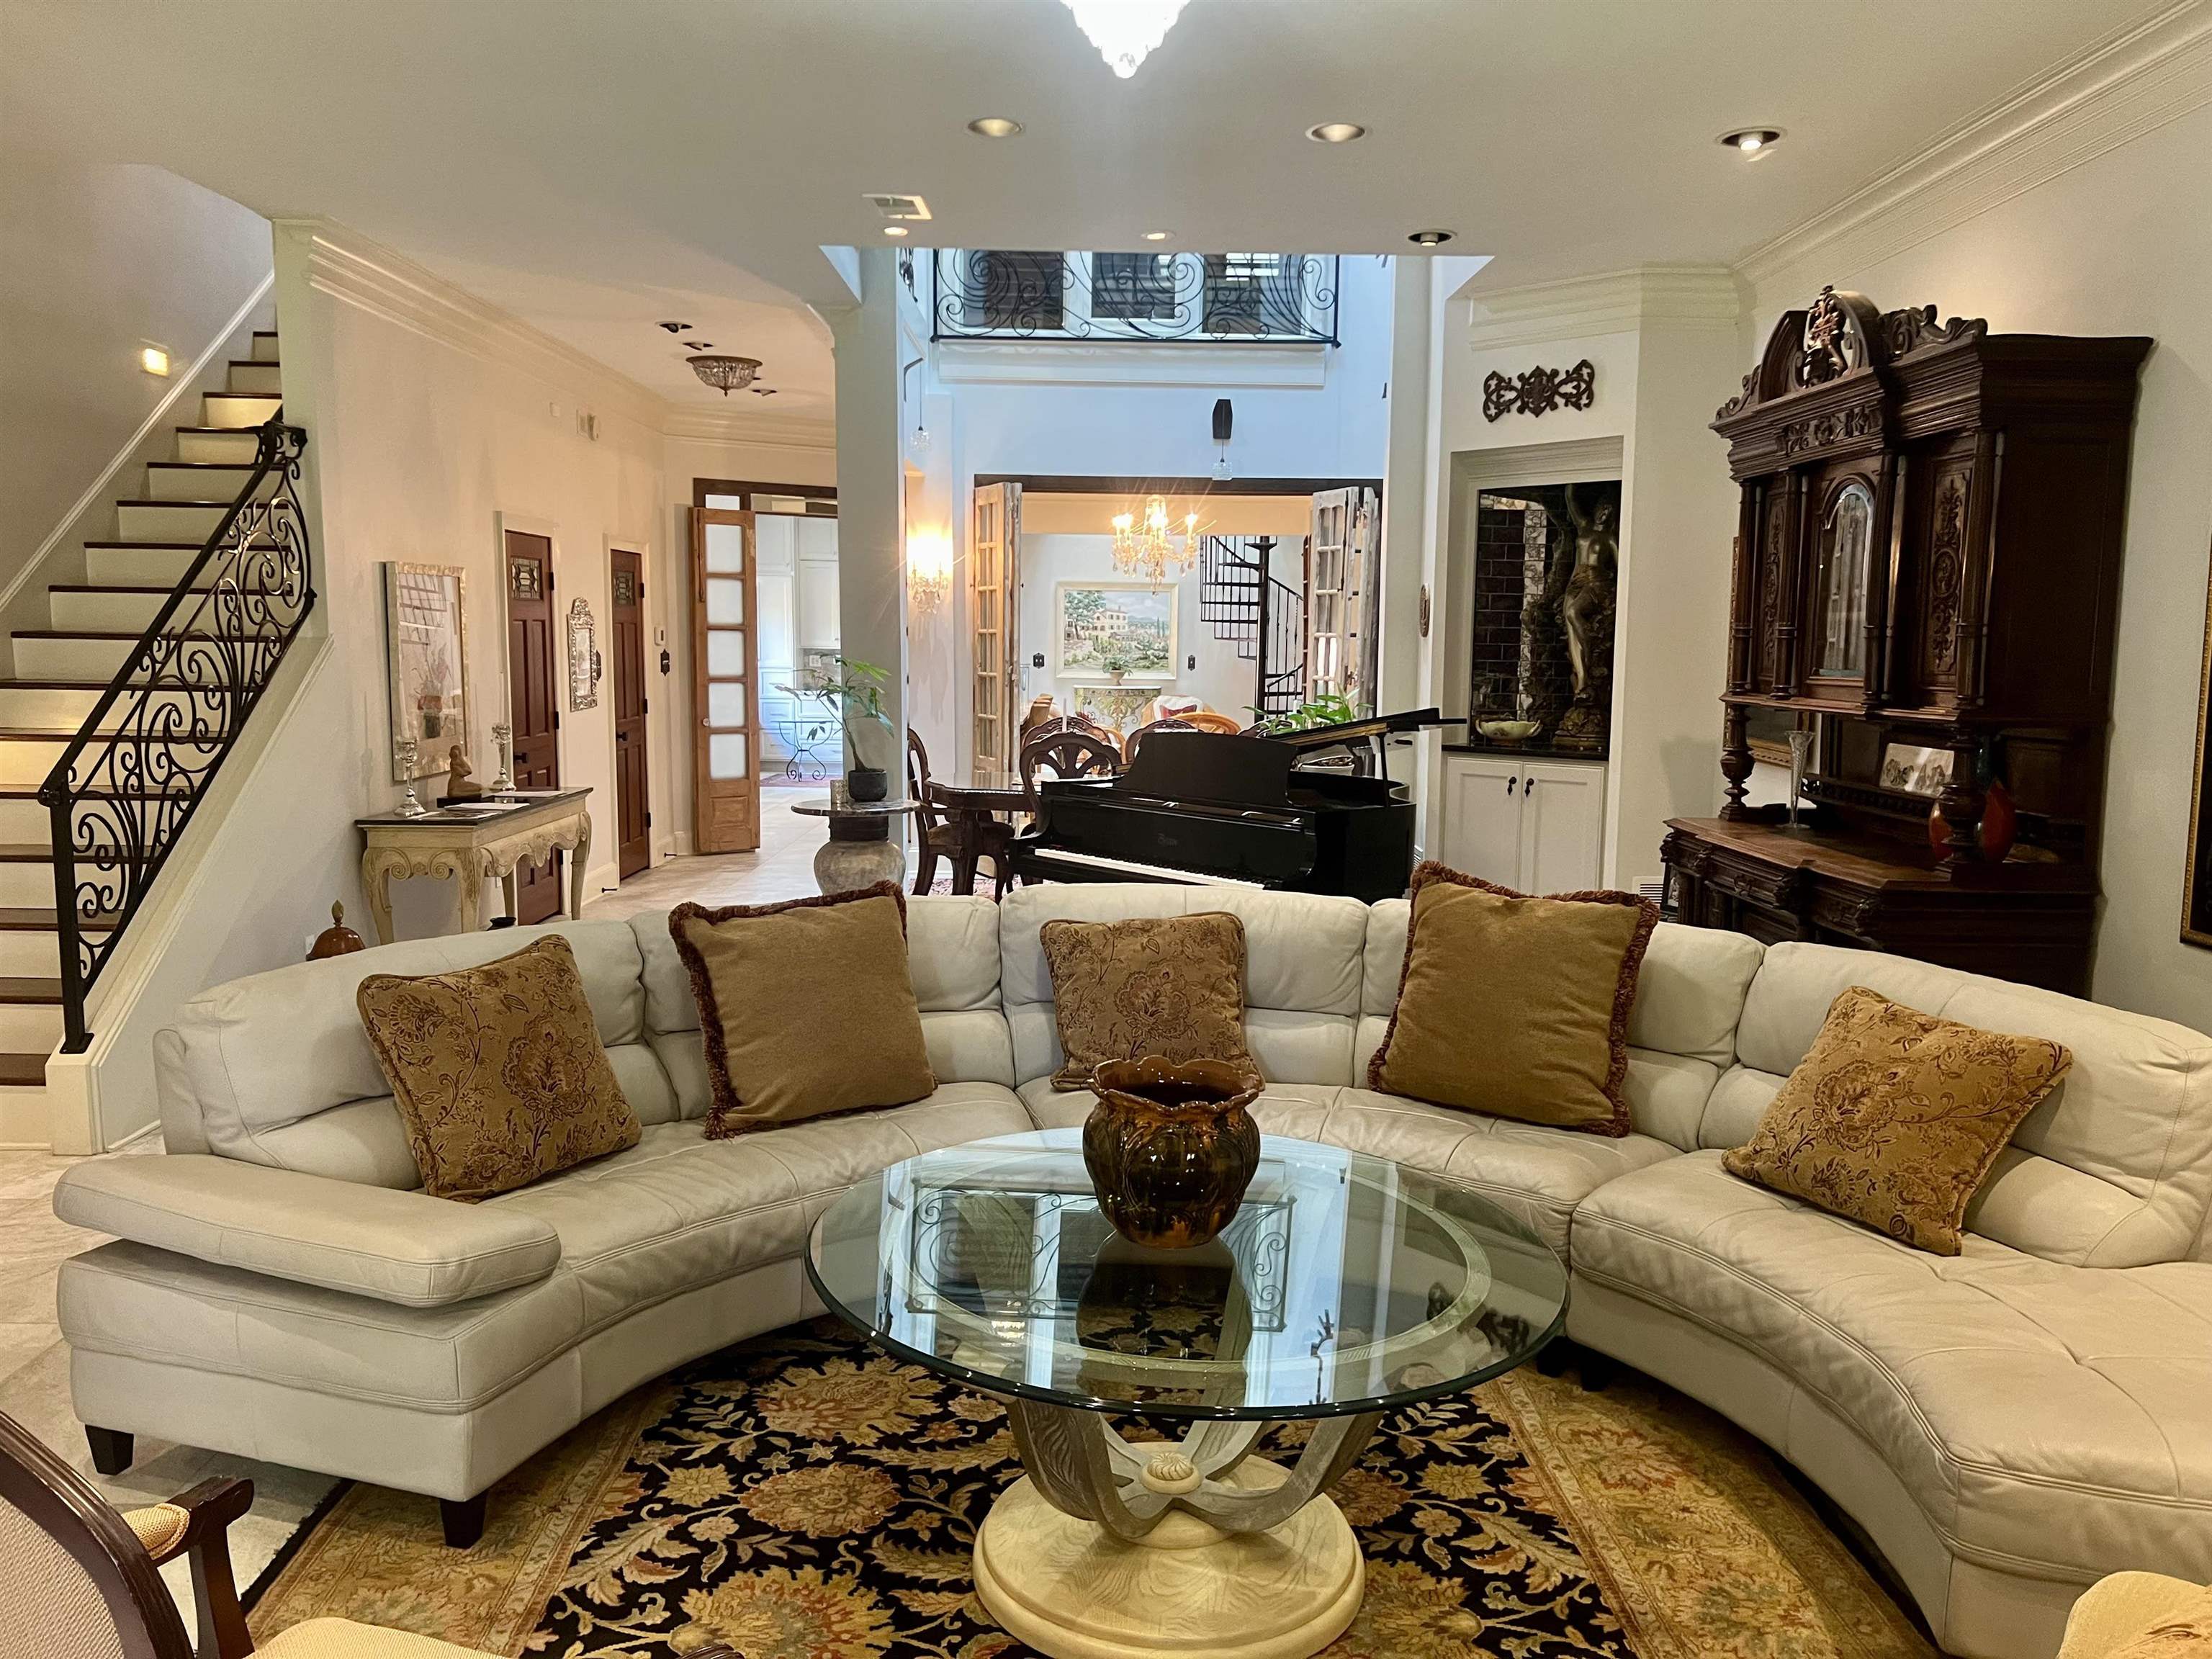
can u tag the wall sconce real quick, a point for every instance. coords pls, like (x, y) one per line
(928, 568)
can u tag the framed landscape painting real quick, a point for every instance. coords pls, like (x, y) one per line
(428, 651)
(1108, 630)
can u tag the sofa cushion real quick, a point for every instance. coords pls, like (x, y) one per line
(678, 1210)
(2047, 1418)
(2115, 1165)
(497, 1073)
(1170, 986)
(273, 1049)
(1296, 1109)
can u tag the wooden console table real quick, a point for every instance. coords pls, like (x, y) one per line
(468, 846)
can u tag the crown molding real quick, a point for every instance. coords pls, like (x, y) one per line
(2134, 81)
(1061, 362)
(1612, 302)
(753, 431)
(351, 268)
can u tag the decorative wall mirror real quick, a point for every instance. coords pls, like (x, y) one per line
(583, 657)
(1839, 587)
(2197, 881)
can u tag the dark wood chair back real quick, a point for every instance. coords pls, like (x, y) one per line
(1172, 723)
(917, 783)
(1055, 724)
(1075, 754)
(78, 1579)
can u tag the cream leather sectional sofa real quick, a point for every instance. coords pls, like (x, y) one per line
(2007, 1424)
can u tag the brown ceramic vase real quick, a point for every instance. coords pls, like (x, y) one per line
(1170, 1147)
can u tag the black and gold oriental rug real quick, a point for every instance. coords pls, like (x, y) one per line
(803, 1497)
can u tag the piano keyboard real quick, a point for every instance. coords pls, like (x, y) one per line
(1048, 857)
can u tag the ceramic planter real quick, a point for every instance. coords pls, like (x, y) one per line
(1170, 1148)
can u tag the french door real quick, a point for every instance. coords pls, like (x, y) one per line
(633, 790)
(1343, 594)
(994, 583)
(725, 653)
(533, 707)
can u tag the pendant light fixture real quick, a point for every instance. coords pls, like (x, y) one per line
(726, 374)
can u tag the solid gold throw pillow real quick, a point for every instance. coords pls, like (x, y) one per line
(806, 1007)
(1171, 985)
(498, 1071)
(1894, 1117)
(1516, 1006)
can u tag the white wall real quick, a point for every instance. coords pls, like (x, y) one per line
(2121, 244)
(97, 259)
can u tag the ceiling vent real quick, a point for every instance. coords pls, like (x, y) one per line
(893, 206)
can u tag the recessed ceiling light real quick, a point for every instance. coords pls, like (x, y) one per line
(895, 230)
(994, 126)
(1430, 238)
(1336, 132)
(1156, 235)
(1752, 140)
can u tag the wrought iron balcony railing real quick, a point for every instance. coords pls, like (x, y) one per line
(979, 293)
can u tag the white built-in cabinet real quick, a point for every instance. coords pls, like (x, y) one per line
(1537, 826)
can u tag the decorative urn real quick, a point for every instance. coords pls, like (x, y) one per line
(1170, 1147)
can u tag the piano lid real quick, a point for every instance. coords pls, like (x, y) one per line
(1375, 726)
(1216, 767)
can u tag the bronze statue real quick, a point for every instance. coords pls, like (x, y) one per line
(1586, 616)
(458, 785)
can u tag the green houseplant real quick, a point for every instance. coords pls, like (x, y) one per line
(853, 692)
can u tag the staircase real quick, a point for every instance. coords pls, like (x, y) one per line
(1262, 614)
(141, 714)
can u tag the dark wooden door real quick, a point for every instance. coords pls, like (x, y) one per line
(634, 820)
(533, 707)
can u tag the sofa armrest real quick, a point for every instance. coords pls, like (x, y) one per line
(407, 1247)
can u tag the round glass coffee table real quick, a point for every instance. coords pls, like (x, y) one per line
(1346, 1287)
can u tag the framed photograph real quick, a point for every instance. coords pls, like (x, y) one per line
(1915, 771)
(1110, 630)
(426, 643)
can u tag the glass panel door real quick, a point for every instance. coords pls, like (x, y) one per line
(727, 757)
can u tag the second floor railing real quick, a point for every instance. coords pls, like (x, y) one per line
(123, 791)
(978, 293)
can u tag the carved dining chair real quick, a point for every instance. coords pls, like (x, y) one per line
(962, 838)
(84, 1579)
(1171, 723)
(1055, 724)
(1071, 754)
(1212, 720)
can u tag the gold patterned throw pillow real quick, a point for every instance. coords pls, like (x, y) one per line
(1171, 985)
(806, 1007)
(497, 1071)
(1894, 1117)
(1516, 1006)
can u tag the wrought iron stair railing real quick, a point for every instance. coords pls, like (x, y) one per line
(124, 791)
(1261, 614)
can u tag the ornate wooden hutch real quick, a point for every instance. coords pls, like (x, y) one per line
(1927, 569)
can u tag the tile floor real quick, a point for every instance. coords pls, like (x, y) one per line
(34, 1360)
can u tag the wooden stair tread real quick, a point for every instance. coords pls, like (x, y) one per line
(117, 587)
(32, 920)
(171, 501)
(9, 684)
(20, 991)
(105, 734)
(109, 633)
(37, 852)
(23, 1071)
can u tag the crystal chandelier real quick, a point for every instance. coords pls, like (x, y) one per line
(726, 374)
(1150, 550)
(1125, 31)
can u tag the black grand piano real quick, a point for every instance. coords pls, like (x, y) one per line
(1205, 808)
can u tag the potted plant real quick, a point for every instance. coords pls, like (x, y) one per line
(1115, 659)
(853, 692)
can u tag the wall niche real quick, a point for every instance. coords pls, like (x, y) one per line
(1545, 569)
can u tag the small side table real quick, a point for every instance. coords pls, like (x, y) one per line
(859, 851)
(469, 846)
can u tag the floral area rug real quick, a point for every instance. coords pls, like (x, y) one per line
(803, 1497)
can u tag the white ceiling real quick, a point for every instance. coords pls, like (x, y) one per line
(594, 166)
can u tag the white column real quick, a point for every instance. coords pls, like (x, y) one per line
(870, 507)
(1406, 487)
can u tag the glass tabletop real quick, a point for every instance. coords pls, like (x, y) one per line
(1346, 1284)
(839, 804)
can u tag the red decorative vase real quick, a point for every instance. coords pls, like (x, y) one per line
(1170, 1148)
(2000, 824)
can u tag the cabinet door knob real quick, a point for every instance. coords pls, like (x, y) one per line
(1511, 784)
(1528, 787)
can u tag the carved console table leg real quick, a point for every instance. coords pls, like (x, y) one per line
(376, 873)
(580, 865)
(1111, 1547)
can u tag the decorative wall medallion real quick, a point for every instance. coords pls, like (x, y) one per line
(1539, 391)
(1943, 555)
(1819, 431)
(583, 657)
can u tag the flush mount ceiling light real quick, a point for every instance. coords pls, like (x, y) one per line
(1336, 132)
(726, 374)
(676, 328)
(1125, 31)
(896, 230)
(994, 126)
(1430, 238)
(1156, 235)
(1752, 140)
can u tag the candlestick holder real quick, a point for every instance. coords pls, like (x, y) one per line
(503, 739)
(406, 753)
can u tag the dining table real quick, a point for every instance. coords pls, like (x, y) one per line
(973, 802)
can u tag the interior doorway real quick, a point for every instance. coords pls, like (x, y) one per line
(533, 708)
(724, 656)
(633, 776)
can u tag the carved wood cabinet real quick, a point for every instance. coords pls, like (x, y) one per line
(1926, 574)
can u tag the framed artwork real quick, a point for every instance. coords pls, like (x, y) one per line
(427, 660)
(1914, 769)
(1766, 733)
(1105, 630)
